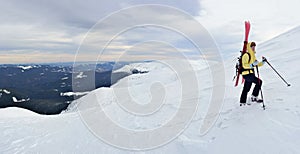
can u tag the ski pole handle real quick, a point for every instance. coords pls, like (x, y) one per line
(264, 59)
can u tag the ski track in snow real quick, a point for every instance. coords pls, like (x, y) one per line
(246, 129)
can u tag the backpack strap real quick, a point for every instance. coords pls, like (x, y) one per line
(248, 56)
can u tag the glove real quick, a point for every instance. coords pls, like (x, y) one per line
(264, 59)
(254, 64)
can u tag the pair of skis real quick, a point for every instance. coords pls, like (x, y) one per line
(239, 69)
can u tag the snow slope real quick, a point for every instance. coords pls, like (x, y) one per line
(247, 129)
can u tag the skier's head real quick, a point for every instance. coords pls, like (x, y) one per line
(252, 45)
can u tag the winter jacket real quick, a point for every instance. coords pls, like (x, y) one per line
(246, 62)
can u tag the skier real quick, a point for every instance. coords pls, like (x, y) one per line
(249, 63)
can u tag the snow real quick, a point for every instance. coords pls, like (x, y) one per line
(73, 93)
(65, 78)
(247, 129)
(80, 76)
(25, 67)
(5, 91)
(14, 112)
(142, 67)
(15, 100)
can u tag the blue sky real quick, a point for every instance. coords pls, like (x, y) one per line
(35, 31)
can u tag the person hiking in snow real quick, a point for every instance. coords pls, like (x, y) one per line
(249, 63)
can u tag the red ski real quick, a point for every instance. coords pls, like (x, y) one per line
(238, 67)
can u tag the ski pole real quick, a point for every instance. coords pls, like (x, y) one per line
(278, 74)
(261, 93)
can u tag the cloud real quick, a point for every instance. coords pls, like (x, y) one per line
(57, 27)
(190, 6)
(72, 13)
(124, 30)
(36, 57)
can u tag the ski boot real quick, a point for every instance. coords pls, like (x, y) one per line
(256, 99)
(242, 104)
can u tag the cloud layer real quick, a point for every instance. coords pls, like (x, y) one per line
(43, 27)
(35, 28)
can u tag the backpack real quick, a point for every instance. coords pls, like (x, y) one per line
(242, 69)
(239, 66)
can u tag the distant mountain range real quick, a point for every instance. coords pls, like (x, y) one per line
(47, 88)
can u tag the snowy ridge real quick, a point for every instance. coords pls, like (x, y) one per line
(142, 67)
(155, 65)
(14, 112)
(247, 129)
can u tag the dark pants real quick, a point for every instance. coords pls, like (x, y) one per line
(249, 79)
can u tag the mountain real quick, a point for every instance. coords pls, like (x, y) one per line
(246, 129)
(47, 88)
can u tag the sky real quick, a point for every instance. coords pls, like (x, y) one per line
(41, 31)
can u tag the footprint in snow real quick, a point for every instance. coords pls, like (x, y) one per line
(297, 113)
(226, 112)
(287, 109)
(212, 139)
(221, 126)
